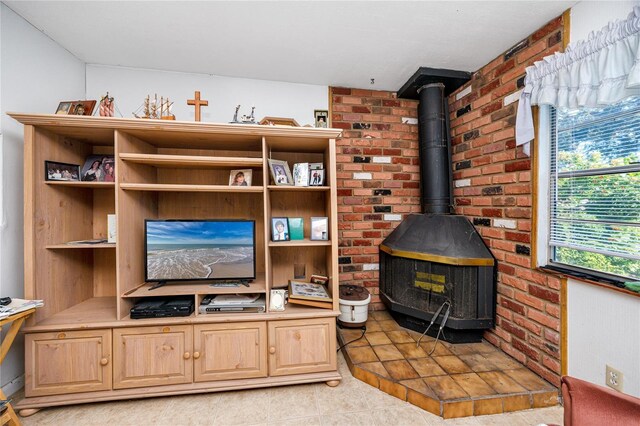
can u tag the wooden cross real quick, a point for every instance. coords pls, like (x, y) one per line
(197, 103)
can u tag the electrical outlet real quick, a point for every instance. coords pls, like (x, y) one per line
(613, 378)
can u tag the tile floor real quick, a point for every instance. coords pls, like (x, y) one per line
(351, 403)
(455, 381)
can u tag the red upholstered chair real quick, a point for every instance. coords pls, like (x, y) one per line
(586, 404)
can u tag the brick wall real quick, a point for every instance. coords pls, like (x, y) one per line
(378, 183)
(493, 188)
(378, 177)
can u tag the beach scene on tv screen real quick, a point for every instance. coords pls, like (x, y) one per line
(199, 250)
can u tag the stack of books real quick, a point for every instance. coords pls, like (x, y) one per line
(310, 294)
(19, 305)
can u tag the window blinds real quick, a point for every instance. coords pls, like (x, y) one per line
(595, 188)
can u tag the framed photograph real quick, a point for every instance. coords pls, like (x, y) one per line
(316, 177)
(277, 300)
(63, 108)
(61, 171)
(279, 229)
(99, 168)
(319, 228)
(322, 117)
(280, 172)
(308, 291)
(301, 174)
(279, 121)
(240, 177)
(76, 107)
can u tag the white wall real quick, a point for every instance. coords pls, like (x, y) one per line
(588, 16)
(36, 74)
(603, 326)
(130, 86)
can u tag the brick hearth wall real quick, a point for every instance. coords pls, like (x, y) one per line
(378, 177)
(378, 184)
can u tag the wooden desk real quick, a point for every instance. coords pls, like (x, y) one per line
(16, 320)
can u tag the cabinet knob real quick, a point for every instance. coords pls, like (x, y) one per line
(104, 361)
(272, 350)
(186, 355)
(196, 355)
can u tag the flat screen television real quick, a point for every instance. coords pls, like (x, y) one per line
(188, 250)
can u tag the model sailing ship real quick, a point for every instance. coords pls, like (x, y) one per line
(154, 110)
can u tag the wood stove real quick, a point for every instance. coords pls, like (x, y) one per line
(437, 259)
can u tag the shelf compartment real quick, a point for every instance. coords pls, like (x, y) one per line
(191, 161)
(81, 246)
(300, 243)
(80, 184)
(162, 187)
(291, 312)
(298, 188)
(193, 288)
(91, 311)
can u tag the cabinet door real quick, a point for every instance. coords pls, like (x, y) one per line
(229, 351)
(67, 362)
(152, 356)
(302, 346)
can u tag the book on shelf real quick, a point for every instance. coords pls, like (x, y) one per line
(314, 303)
(19, 305)
(234, 299)
(296, 228)
(94, 241)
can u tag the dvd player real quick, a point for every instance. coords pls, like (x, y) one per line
(226, 303)
(162, 307)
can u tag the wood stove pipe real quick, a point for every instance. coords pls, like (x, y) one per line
(435, 157)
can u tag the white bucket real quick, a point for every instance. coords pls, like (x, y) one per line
(354, 306)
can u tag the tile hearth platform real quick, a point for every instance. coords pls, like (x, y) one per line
(461, 380)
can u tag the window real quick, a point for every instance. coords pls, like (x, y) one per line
(593, 221)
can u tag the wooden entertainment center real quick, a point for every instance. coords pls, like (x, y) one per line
(82, 346)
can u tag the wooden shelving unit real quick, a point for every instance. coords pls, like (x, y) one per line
(167, 170)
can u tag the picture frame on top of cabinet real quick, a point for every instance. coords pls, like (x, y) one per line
(321, 118)
(81, 107)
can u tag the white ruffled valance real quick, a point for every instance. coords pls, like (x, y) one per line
(601, 70)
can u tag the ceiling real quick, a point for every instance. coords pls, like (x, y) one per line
(345, 43)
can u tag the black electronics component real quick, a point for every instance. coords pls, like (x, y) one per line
(162, 307)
